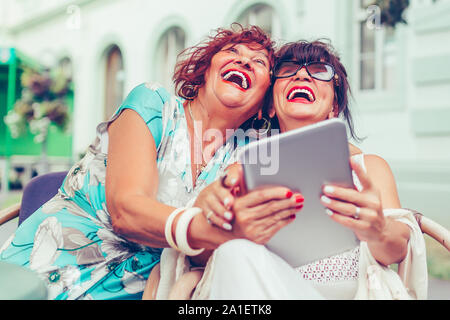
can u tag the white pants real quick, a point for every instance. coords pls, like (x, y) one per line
(245, 270)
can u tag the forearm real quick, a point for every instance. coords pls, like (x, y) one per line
(203, 235)
(392, 245)
(142, 219)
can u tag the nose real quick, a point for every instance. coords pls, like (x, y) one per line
(244, 62)
(302, 74)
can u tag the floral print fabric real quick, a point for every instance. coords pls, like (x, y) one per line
(70, 242)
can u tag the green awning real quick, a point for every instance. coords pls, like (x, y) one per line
(7, 55)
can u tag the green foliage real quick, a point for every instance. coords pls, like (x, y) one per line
(11, 199)
(391, 11)
(43, 102)
(438, 259)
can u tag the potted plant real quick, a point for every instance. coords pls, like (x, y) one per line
(43, 103)
(391, 11)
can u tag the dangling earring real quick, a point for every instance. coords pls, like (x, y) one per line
(336, 80)
(332, 113)
(189, 92)
(264, 128)
(335, 106)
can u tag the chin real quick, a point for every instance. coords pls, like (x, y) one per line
(236, 106)
(299, 111)
(233, 100)
(299, 118)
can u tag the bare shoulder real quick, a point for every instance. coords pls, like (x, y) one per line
(376, 164)
(354, 149)
(381, 175)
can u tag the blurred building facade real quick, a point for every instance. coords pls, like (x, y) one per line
(400, 77)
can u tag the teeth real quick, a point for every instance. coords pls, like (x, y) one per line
(244, 83)
(292, 94)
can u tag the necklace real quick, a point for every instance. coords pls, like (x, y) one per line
(198, 167)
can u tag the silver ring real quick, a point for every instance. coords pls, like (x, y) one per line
(208, 215)
(222, 180)
(357, 211)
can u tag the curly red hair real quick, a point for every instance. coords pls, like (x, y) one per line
(193, 62)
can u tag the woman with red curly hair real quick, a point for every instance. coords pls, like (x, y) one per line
(130, 196)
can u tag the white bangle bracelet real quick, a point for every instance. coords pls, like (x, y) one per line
(181, 232)
(168, 227)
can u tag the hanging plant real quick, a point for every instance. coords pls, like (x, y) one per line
(42, 103)
(391, 11)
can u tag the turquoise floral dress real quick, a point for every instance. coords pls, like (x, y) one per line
(70, 242)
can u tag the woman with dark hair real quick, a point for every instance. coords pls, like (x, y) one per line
(310, 85)
(103, 233)
(290, 56)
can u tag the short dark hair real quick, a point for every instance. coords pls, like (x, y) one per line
(304, 51)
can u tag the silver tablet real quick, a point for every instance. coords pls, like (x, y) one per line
(304, 160)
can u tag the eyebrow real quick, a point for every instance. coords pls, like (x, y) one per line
(265, 55)
(258, 51)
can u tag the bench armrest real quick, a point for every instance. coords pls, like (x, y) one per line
(9, 213)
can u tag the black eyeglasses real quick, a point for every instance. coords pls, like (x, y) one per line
(317, 70)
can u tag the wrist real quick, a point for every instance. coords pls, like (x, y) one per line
(382, 238)
(391, 246)
(203, 235)
(178, 223)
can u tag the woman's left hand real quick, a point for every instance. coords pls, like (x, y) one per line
(360, 211)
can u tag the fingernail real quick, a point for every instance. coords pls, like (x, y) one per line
(299, 207)
(227, 226)
(233, 181)
(299, 198)
(329, 212)
(325, 199)
(289, 194)
(292, 217)
(328, 189)
(228, 215)
(226, 202)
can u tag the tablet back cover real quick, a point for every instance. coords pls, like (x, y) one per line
(304, 160)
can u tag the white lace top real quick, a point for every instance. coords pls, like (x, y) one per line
(342, 267)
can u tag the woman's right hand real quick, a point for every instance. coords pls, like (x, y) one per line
(255, 216)
(261, 213)
(216, 201)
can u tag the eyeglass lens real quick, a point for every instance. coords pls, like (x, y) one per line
(319, 71)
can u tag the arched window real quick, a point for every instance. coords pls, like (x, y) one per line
(171, 43)
(65, 66)
(114, 81)
(262, 16)
(378, 52)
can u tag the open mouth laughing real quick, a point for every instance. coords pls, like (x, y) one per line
(301, 94)
(241, 79)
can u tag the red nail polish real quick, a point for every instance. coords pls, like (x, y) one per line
(299, 198)
(289, 194)
(299, 207)
(292, 217)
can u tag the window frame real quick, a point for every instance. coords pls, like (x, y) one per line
(276, 31)
(112, 100)
(172, 53)
(379, 98)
